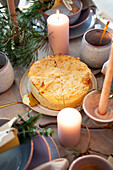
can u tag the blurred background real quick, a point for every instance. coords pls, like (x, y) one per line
(104, 9)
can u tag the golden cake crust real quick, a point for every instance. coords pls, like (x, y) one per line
(59, 81)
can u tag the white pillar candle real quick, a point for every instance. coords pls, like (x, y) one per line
(69, 126)
(58, 29)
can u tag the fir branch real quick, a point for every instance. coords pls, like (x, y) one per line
(32, 36)
(27, 129)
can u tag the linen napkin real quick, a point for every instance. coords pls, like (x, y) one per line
(110, 159)
(104, 67)
(57, 164)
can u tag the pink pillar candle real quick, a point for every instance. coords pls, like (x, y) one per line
(103, 103)
(58, 29)
(69, 126)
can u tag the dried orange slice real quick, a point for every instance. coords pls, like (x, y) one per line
(67, 4)
(57, 3)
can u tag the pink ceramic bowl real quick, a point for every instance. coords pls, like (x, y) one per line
(90, 107)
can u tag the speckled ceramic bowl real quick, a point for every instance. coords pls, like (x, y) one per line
(6, 73)
(93, 54)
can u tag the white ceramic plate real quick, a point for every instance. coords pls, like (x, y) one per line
(24, 89)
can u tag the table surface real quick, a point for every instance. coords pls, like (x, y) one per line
(101, 140)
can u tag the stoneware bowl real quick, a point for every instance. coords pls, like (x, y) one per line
(6, 73)
(90, 107)
(91, 162)
(72, 17)
(93, 54)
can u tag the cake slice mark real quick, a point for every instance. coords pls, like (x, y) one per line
(60, 80)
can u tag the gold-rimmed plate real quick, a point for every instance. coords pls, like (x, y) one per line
(47, 152)
(24, 89)
(29, 155)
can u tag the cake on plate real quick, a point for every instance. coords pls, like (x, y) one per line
(59, 81)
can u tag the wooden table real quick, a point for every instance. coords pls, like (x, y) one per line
(101, 140)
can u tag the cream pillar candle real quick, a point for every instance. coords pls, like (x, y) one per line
(106, 86)
(69, 126)
(58, 28)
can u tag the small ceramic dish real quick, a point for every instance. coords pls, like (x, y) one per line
(72, 17)
(90, 107)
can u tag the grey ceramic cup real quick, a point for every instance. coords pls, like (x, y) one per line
(6, 73)
(95, 160)
(91, 53)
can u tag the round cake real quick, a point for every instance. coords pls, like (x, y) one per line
(59, 81)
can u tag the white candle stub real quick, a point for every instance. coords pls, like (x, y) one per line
(69, 126)
(58, 30)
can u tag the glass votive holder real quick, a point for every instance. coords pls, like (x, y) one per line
(69, 126)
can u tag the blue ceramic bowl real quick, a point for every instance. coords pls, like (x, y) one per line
(72, 17)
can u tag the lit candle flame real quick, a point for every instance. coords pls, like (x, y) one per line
(105, 29)
(57, 12)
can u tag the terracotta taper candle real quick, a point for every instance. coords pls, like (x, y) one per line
(103, 103)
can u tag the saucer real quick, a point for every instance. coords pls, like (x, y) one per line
(81, 29)
(83, 17)
(90, 107)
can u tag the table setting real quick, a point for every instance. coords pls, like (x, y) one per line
(56, 87)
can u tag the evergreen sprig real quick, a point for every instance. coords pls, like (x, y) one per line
(32, 36)
(27, 129)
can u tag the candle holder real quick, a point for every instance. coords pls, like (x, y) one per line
(90, 107)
